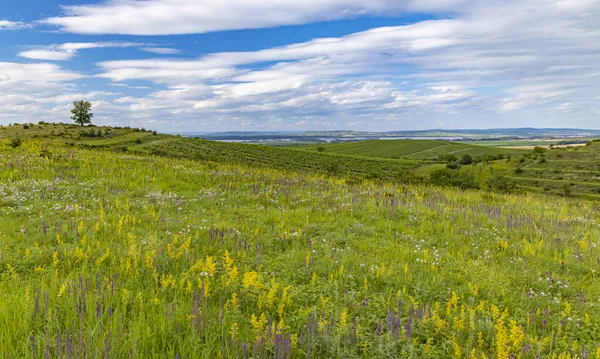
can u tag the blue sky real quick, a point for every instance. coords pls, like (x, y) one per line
(220, 65)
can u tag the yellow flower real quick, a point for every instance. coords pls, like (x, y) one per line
(62, 289)
(251, 280)
(343, 323)
(210, 265)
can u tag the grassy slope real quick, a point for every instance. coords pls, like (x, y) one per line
(121, 255)
(573, 171)
(565, 171)
(411, 149)
(145, 142)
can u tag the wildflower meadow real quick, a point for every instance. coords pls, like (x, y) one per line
(116, 255)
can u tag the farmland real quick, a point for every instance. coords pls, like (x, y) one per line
(109, 254)
(411, 149)
(562, 170)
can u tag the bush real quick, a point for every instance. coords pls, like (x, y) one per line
(16, 142)
(466, 159)
(502, 184)
(453, 165)
(321, 149)
(139, 141)
(539, 150)
(447, 158)
(451, 178)
(25, 126)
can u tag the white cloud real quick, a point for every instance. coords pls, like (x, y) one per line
(11, 25)
(487, 64)
(488, 60)
(161, 50)
(40, 92)
(168, 17)
(63, 52)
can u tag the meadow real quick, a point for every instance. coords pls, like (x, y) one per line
(109, 254)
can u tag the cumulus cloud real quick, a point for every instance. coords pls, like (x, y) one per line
(486, 60)
(11, 25)
(168, 17)
(41, 92)
(62, 52)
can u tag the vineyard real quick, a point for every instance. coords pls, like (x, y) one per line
(286, 159)
(412, 149)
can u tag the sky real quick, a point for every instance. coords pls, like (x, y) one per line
(294, 65)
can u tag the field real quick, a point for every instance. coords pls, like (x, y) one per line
(562, 170)
(411, 149)
(109, 254)
(529, 143)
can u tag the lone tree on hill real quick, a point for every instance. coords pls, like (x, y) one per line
(82, 112)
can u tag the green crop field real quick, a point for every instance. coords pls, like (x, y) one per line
(285, 159)
(108, 254)
(411, 149)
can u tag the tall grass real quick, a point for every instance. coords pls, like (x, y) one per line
(108, 255)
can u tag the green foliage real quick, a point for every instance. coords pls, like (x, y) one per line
(15, 142)
(82, 113)
(502, 184)
(447, 158)
(452, 178)
(466, 159)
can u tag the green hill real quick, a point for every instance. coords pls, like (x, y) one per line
(559, 171)
(411, 149)
(141, 141)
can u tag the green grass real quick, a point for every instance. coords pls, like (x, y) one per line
(111, 255)
(411, 149)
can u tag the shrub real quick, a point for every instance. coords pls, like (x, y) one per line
(451, 178)
(15, 142)
(453, 165)
(321, 149)
(500, 183)
(466, 159)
